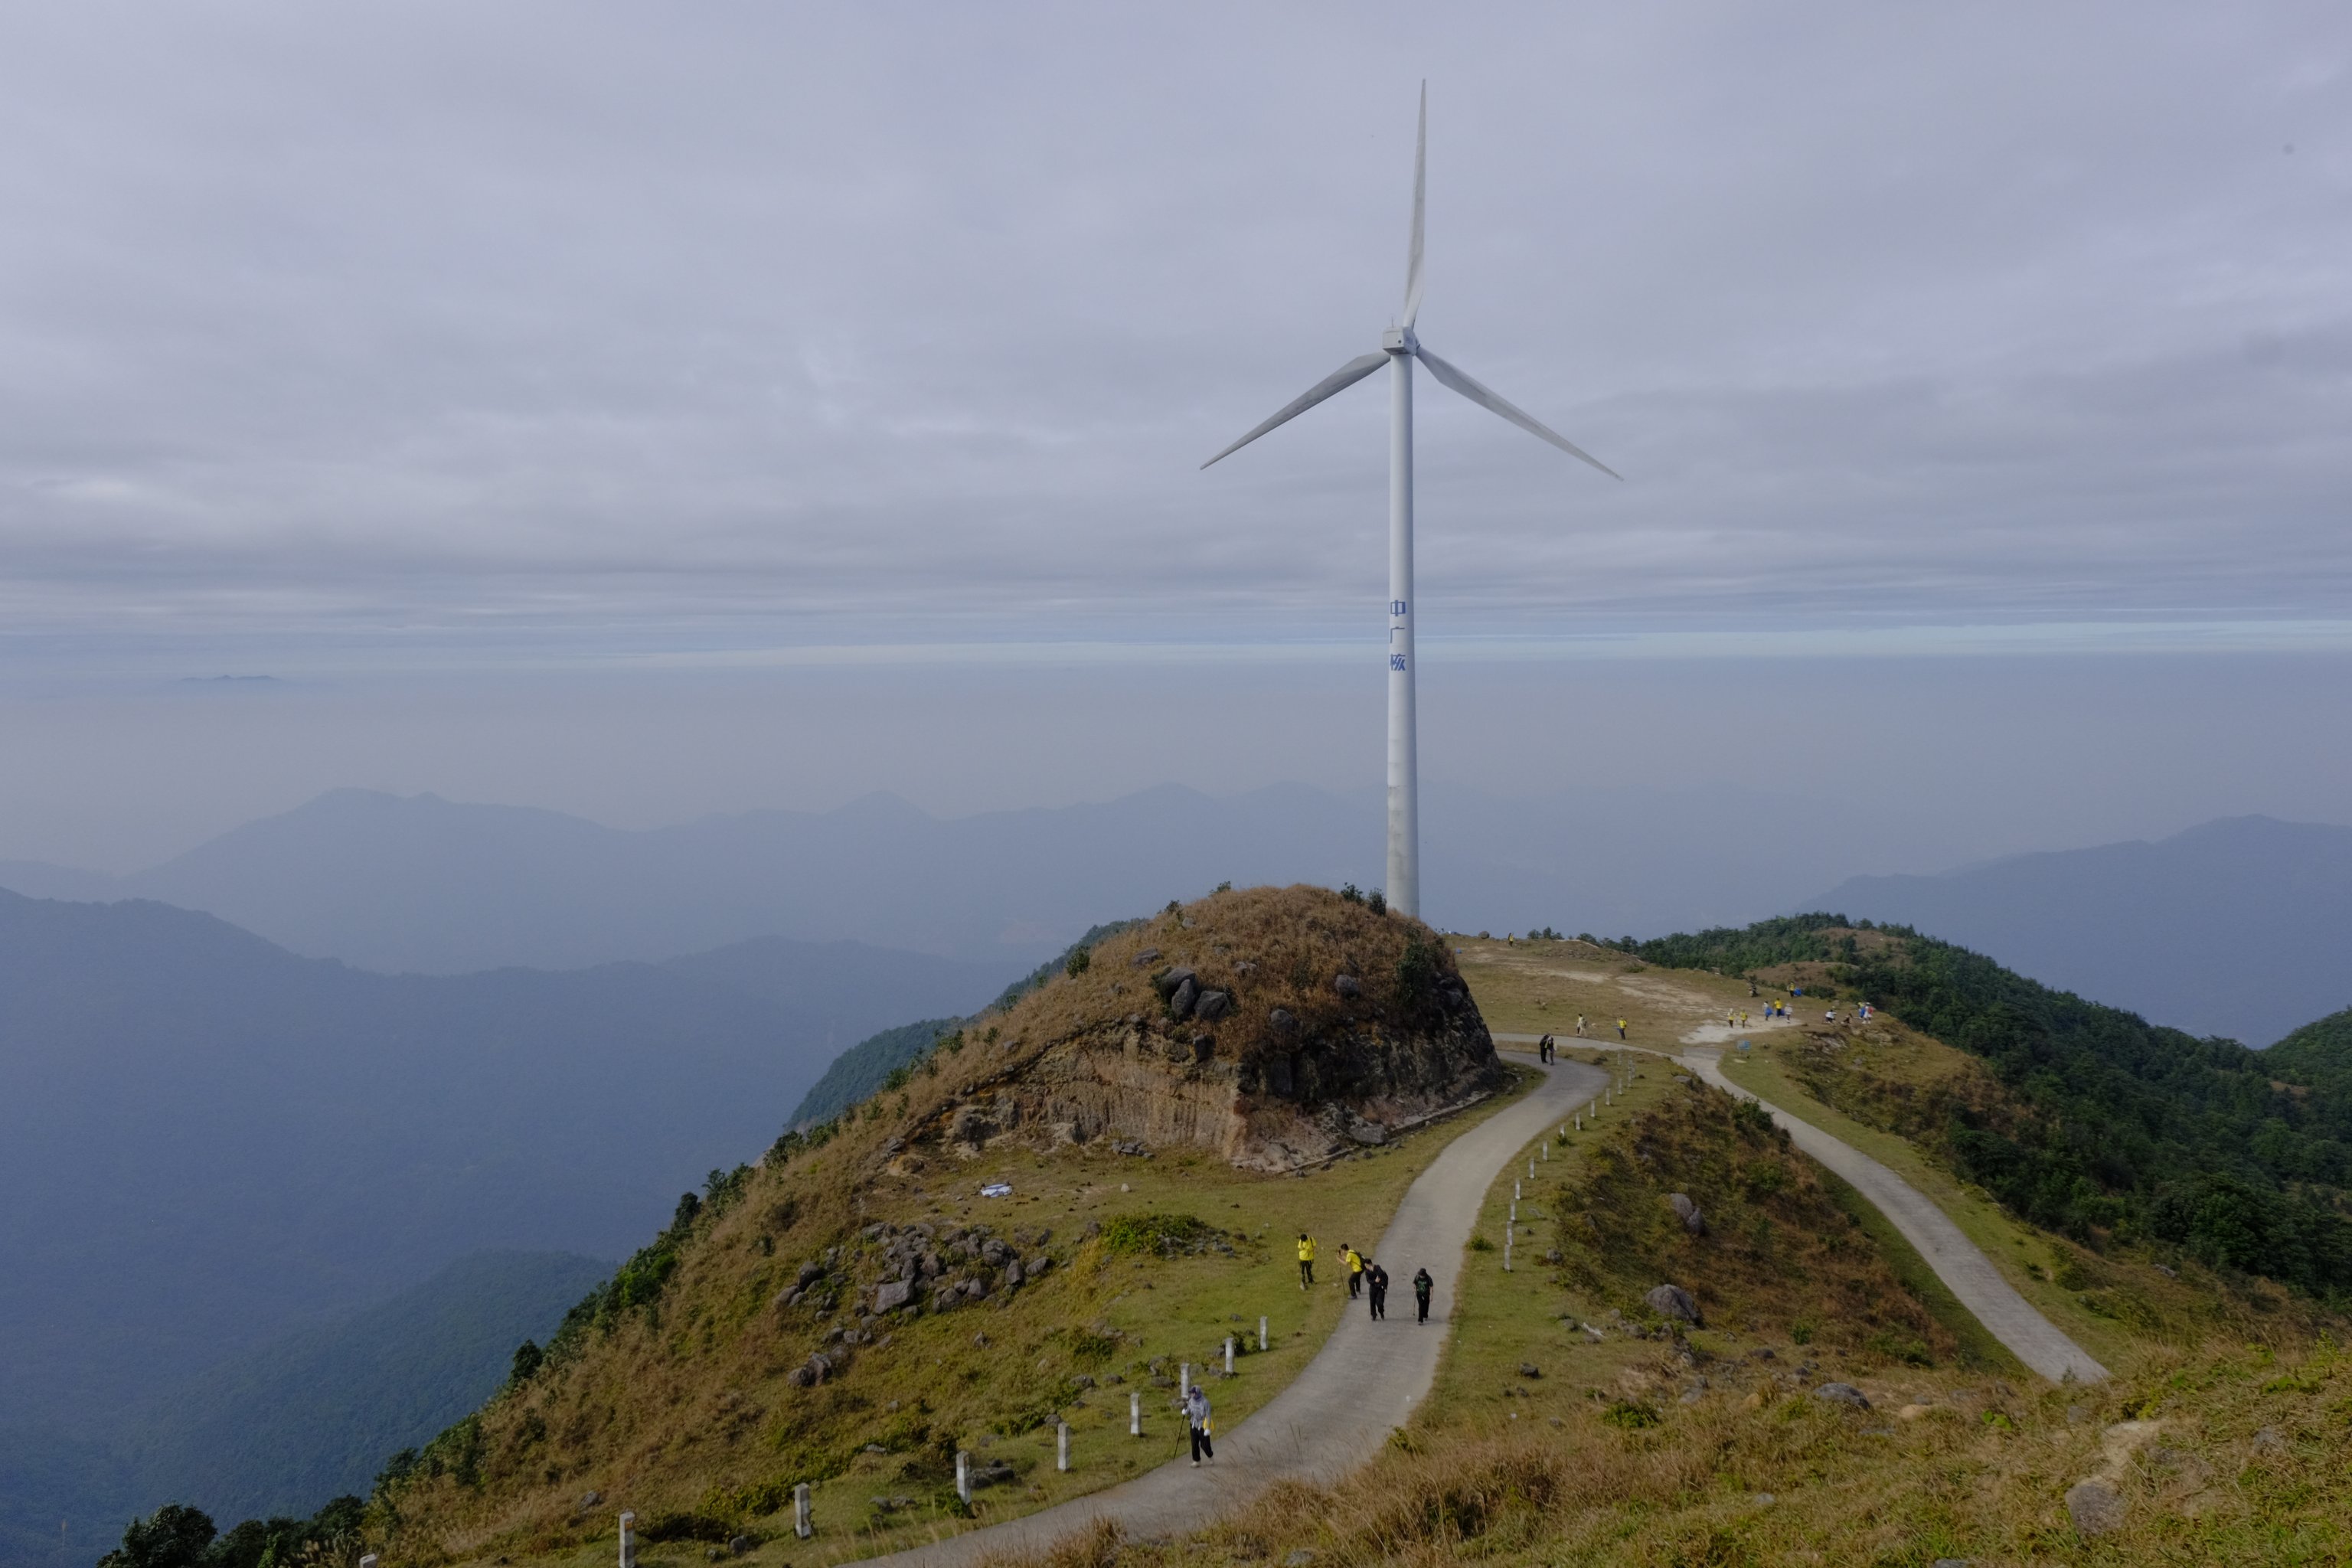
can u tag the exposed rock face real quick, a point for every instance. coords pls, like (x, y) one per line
(1283, 1028)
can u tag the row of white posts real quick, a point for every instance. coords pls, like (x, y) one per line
(804, 1523)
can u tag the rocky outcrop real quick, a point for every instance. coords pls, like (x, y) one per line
(1275, 1027)
(1694, 1219)
(1672, 1302)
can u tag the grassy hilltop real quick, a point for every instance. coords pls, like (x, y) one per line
(1572, 1422)
(748, 1349)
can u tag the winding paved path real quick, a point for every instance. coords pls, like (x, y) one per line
(1958, 1262)
(1359, 1388)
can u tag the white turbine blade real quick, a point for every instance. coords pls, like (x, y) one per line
(1339, 379)
(1476, 394)
(1420, 203)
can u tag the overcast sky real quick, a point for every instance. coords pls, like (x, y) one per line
(362, 345)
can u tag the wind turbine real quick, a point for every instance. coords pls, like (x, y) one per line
(1399, 348)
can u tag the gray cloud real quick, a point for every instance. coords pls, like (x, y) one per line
(904, 321)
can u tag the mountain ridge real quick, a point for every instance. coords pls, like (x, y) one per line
(423, 884)
(2233, 927)
(208, 1141)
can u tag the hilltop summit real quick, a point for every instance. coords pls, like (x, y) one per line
(1274, 1027)
(1064, 1197)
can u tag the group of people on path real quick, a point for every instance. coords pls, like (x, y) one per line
(1367, 1280)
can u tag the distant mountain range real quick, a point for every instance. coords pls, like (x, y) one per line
(280, 1428)
(2240, 927)
(424, 885)
(207, 1142)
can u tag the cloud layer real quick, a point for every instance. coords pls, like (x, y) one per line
(766, 325)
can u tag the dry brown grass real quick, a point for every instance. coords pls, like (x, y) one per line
(1778, 1252)
(1270, 947)
(1982, 1475)
(684, 1407)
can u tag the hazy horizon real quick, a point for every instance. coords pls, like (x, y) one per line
(569, 407)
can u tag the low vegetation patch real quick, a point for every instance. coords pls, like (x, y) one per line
(1767, 1247)
(1165, 1234)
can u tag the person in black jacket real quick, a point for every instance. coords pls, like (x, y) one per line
(1376, 1283)
(1422, 1286)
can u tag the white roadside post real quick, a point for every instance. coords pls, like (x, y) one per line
(1515, 1189)
(1261, 1333)
(1060, 1444)
(963, 1475)
(1507, 1252)
(1228, 1355)
(1515, 1211)
(1134, 1415)
(804, 1518)
(628, 1539)
(1531, 1170)
(1184, 1380)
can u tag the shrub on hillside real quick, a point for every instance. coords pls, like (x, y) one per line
(1163, 1234)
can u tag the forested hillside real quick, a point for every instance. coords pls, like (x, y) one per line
(2128, 1130)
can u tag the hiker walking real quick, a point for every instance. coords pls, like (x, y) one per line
(1376, 1281)
(1621, 1028)
(1305, 1260)
(1543, 1049)
(1580, 1025)
(1196, 1418)
(1422, 1286)
(1354, 1261)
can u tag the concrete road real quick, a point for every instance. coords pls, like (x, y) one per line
(1359, 1388)
(1958, 1262)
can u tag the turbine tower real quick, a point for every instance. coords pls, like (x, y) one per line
(1399, 348)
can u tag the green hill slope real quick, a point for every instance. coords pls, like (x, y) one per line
(282, 1429)
(2320, 1055)
(2112, 1126)
(866, 1066)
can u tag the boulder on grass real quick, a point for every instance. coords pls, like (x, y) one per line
(1672, 1302)
(2095, 1508)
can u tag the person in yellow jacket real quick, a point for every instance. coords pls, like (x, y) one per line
(1355, 1270)
(1305, 1260)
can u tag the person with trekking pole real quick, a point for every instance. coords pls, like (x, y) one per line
(1196, 1419)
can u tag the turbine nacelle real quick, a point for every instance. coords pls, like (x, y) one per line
(1400, 340)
